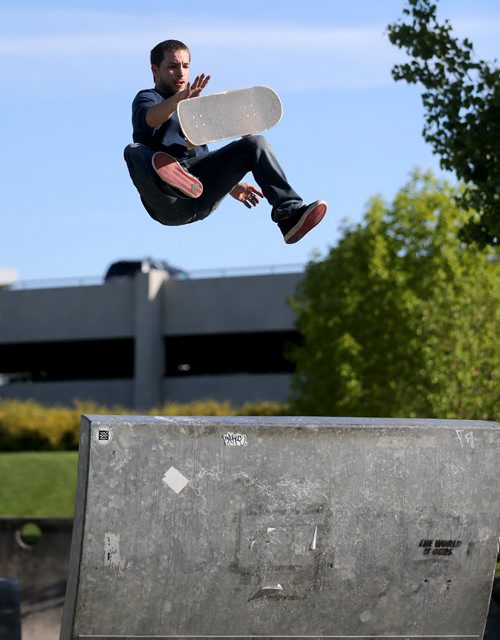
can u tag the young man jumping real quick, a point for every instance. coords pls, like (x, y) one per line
(179, 185)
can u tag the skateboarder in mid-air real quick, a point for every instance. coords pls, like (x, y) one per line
(178, 184)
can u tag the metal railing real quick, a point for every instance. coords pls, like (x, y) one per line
(195, 274)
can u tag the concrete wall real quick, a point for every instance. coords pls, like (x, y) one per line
(106, 392)
(228, 305)
(237, 388)
(290, 527)
(41, 570)
(76, 313)
(147, 309)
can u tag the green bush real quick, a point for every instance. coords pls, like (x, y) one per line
(401, 318)
(26, 425)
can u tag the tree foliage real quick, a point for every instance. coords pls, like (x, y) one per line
(462, 105)
(401, 318)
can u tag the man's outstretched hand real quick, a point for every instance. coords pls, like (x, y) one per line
(247, 193)
(194, 89)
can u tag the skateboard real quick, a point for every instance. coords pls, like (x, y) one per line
(230, 114)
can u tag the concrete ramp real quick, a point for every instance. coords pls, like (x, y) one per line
(283, 527)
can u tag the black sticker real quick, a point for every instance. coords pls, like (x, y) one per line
(439, 547)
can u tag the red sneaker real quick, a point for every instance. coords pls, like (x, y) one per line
(171, 172)
(302, 221)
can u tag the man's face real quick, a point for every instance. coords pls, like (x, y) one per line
(172, 75)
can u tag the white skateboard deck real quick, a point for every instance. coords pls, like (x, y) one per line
(230, 114)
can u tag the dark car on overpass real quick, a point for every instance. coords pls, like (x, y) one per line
(129, 268)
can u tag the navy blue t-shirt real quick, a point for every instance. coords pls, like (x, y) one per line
(168, 136)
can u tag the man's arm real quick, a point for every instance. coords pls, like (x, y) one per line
(161, 112)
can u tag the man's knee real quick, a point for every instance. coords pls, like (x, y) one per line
(135, 152)
(254, 145)
(256, 142)
(128, 152)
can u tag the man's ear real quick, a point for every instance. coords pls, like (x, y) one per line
(155, 71)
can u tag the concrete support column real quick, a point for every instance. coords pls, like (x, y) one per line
(148, 350)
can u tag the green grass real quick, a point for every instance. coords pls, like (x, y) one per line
(38, 483)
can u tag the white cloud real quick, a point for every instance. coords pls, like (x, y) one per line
(295, 57)
(93, 34)
(104, 49)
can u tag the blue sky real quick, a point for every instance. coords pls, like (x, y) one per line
(71, 69)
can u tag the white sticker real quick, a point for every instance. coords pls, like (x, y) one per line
(112, 556)
(175, 480)
(465, 439)
(103, 435)
(235, 440)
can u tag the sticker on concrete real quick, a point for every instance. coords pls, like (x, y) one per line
(314, 540)
(465, 438)
(103, 436)
(271, 591)
(175, 480)
(112, 556)
(235, 440)
(439, 547)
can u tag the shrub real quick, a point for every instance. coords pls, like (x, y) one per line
(26, 425)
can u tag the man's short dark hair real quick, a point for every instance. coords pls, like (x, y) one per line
(158, 52)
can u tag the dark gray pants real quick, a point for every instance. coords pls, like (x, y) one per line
(219, 171)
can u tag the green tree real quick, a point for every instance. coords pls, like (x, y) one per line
(462, 106)
(401, 318)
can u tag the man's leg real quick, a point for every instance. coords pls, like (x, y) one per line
(221, 170)
(163, 203)
(173, 173)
